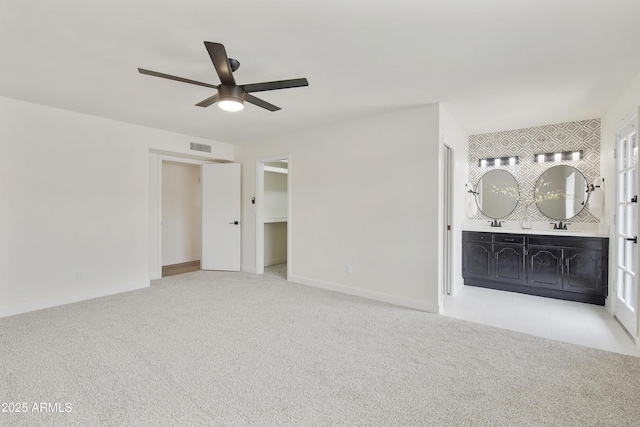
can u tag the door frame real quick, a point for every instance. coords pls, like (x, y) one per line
(155, 208)
(259, 203)
(447, 216)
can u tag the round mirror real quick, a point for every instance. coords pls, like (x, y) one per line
(561, 192)
(498, 193)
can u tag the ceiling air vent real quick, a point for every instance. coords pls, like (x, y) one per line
(200, 147)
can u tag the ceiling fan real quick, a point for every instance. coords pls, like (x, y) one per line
(231, 96)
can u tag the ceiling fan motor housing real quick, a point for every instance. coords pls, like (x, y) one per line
(231, 92)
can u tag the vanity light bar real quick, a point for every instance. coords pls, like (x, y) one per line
(498, 161)
(557, 157)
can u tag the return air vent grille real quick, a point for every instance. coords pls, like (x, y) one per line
(200, 147)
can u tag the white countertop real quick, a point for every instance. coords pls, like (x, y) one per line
(535, 231)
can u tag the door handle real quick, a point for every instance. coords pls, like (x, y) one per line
(633, 239)
(234, 222)
(634, 199)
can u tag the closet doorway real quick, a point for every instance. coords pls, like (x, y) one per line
(273, 183)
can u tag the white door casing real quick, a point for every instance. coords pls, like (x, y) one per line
(447, 213)
(221, 216)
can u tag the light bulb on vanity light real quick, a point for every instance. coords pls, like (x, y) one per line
(496, 162)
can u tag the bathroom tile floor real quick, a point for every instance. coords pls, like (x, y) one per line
(585, 324)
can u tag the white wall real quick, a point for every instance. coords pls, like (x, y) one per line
(623, 106)
(181, 213)
(457, 139)
(74, 211)
(363, 193)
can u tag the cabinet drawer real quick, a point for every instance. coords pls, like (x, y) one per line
(470, 236)
(508, 238)
(569, 242)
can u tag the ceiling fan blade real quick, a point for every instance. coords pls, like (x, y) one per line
(221, 62)
(281, 84)
(178, 79)
(206, 102)
(260, 103)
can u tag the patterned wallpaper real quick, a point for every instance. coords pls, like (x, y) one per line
(525, 143)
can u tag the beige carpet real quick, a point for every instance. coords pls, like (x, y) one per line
(237, 349)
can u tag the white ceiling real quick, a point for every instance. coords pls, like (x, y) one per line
(494, 64)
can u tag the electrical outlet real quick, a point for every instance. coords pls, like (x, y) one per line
(79, 275)
(347, 269)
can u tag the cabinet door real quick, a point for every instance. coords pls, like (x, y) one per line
(544, 267)
(476, 260)
(509, 263)
(582, 271)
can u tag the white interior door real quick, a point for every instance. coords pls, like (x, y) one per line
(625, 300)
(221, 216)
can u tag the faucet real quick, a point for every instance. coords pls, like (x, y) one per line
(495, 223)
(560, 225)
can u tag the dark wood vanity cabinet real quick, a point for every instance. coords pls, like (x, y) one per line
(564, 267)
(568, 263)
(477, 259)
(500, 259)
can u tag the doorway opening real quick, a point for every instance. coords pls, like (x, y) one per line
(273, 219)
(181, 218)
(158, 254)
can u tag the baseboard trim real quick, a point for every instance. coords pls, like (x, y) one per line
(71, 298)
(182, 260)
(377, 296)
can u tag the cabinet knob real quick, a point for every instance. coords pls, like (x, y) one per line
(633, 239)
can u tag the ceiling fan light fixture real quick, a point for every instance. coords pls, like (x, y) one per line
(231, 98)
(231, 105)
